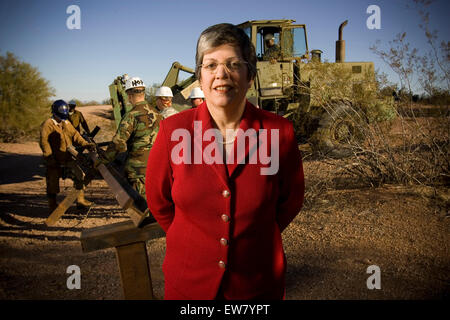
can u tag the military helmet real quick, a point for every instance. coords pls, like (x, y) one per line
(60, 109)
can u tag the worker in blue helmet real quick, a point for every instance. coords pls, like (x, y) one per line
(57, 136)
(60, 109)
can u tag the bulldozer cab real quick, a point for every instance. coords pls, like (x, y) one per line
(277, 61)
(289, 38)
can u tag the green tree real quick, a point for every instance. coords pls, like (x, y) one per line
(24, 98)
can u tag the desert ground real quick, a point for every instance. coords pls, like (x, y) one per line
(339, 233)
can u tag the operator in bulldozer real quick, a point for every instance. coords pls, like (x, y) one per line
(136, 133)
(57, 136)
(76, 118)
(272, 50)
(164, 101)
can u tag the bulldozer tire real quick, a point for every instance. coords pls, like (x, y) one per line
(340, 129)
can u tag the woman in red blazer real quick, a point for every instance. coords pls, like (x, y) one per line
(223, 181)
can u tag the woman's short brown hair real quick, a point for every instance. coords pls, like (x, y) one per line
(226, 33)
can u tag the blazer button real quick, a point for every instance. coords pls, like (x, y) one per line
(225, 193)
(225, 218)
(224, 242)
(222, 264)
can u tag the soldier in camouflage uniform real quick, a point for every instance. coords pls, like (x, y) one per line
(136, 133)
(273, 51)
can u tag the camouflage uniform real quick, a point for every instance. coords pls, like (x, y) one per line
(78, 121)
(273, 52)
(136, 133)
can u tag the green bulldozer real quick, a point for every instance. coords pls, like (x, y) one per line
(119, 98)
(328, 103)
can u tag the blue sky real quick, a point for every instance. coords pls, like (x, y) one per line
(143, 38)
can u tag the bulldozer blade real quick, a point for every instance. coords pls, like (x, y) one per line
(62, 207)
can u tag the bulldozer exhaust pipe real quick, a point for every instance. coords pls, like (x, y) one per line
(340, 44)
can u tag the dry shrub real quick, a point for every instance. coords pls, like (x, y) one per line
(378, 141)
(415, 151)
(418, 150)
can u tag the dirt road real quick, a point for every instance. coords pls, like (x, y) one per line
(329, 246)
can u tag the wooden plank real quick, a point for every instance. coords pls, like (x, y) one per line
(138, 207)
(62, 207)
(119, 192)
(117, 234)
(136, 216)
(126, 196)
(135, 271)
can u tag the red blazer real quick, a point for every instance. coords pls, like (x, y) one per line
(223, 222)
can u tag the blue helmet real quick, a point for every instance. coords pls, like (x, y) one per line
(60, 109)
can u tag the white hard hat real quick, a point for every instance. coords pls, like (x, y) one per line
(134, 82)
(163, 92)
(196, 93)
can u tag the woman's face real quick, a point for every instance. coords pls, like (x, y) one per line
(224, 88)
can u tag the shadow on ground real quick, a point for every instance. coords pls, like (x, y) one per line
(30, 167)
(18, 214)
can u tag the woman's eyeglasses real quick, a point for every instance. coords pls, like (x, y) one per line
(231, 66)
